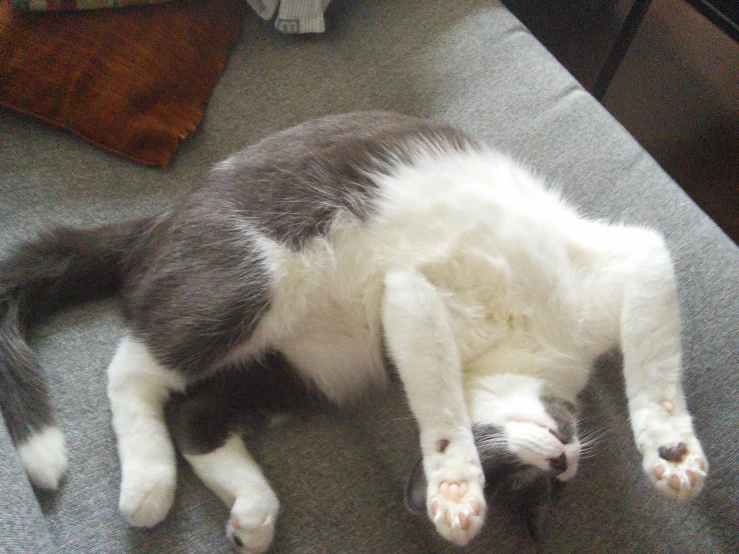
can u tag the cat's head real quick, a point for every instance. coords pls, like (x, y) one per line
(520, 422)
(526, 436)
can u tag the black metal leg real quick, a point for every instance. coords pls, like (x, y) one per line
(721, 14)
(620, 47)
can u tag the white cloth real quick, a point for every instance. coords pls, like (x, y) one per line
(294, 16)
(264, 8)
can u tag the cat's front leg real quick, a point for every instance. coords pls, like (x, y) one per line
(650, 334)
(423, 348)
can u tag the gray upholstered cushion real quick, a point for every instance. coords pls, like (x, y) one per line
(340, 477)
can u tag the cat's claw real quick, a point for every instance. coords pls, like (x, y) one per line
(251, 527)
(457, 508)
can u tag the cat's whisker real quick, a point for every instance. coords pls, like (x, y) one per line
(582, 421)
(590, 441)
(590, 447)
(593, 435)
(493, 443)
(490, 445)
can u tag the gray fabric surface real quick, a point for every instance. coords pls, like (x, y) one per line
(22, 526)
(340, 477)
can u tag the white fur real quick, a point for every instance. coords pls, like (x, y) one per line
(231, 473)
(138, 387)
(486, 287)
(474, 271)
(423, 346)
(493, 243)
(44, 457)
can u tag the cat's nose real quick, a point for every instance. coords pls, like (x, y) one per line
(558, 465)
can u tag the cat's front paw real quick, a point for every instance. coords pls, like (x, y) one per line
(251, 526)
(147, 493)
(457, 508)
(677, 470)
(673, 457)
(455, 501)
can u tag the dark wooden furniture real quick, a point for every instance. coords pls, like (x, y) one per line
(722, 13)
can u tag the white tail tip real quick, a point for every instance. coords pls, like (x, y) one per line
(44, 457)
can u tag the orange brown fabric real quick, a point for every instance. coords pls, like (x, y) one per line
(131, 81)
(49, 5)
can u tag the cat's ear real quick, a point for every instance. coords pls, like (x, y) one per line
(415, 490)
(533, 503)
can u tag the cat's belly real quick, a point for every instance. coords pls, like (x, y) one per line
(342, 361)
(325, 315)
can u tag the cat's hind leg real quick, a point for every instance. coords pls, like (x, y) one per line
(231, 473)
(204, 426)
(138, 387)
(650, 338)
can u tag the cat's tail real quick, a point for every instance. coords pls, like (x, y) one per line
(60, 268)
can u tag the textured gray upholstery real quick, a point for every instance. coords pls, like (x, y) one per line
(340, 477)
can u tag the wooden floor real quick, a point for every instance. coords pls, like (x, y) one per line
(677, 90)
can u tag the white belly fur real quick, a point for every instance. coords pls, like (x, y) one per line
(482, 230)
(325, 318)
(342, 363)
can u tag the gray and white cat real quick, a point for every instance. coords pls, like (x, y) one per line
(315, 260)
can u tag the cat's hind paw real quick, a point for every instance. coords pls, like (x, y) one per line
(251, 527)
(678, 471)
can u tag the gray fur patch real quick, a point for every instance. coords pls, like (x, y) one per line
(199, 283)
(196, 288)
(241, 400)
(564, 413)
(292, 185)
